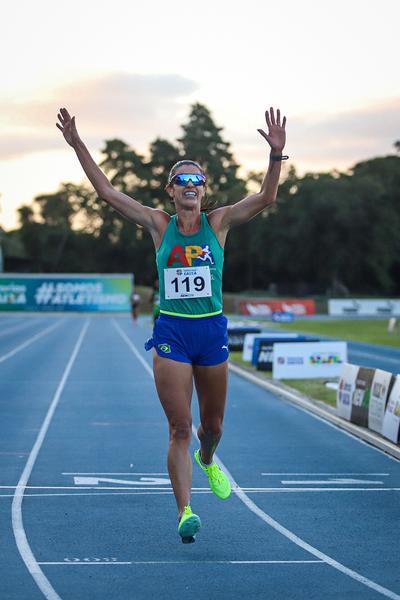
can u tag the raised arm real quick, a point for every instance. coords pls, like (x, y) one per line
(147, 217)
(249, 207)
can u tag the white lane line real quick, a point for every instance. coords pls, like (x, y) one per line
(302, 544)
(187, 562)
(330, 481)
(274, 524)
(23, 325)
(328, 474)
(133, 348)
(275, 474)
(143, 481)
(197, 491)
(28, 342)
(130, 473)
(96, 562)
(16, 510)
(200, 489)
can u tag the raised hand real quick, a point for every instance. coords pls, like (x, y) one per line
(276, 136)
(68, 127)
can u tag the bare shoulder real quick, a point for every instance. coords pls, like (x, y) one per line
(160, 220)
(218, 220)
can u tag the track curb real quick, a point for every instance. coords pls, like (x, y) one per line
(316, 407)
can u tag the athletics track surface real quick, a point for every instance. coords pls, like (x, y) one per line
(86, 507)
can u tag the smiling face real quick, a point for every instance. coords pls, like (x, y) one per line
(189, 196)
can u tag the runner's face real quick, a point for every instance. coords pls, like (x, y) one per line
(188, 196)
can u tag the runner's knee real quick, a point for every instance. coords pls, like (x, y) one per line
(212, 427)
(180, 430)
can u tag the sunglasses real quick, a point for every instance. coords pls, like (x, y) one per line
(184, 178)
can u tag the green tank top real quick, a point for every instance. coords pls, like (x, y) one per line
(190, 271)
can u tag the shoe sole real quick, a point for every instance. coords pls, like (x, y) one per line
(189, 528)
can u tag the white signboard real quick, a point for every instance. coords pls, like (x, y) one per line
(347, 385)
(307, 360)
(377, 402)
(391, 420)
(250, 337)
(364, 308)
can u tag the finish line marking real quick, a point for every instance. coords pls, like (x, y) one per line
(184, 562)
(130, 473)
(203, 489)
(328, 474)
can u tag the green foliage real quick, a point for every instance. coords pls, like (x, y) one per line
(327, 232)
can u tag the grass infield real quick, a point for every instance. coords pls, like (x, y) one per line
(313, 388)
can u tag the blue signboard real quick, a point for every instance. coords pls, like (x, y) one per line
(65, 292)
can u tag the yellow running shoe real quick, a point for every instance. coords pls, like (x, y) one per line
(219, 482)
(189, 525)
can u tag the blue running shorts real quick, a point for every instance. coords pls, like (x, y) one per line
(198, 341)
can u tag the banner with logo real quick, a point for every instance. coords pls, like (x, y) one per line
(391, 420)
(249, 338)
(65, 292)
(307, 360)
(364, 308)
(263, 352)
(265, 307)
(361, 396)
(236, 336)
(347, 385)
(381, 386)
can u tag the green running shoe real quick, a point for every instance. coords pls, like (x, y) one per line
(189, 525)
(219, 482)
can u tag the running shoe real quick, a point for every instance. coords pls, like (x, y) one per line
(219, 482)
(189, 525)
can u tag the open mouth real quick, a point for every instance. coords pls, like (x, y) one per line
(190, 194)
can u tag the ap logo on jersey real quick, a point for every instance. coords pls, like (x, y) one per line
(206, 254)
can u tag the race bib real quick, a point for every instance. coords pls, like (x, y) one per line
(187, 282)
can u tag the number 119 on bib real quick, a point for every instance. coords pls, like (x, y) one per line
(187, 283)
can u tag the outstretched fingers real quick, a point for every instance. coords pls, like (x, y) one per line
(261, 132)
(272, 115)
(65, 114)
(270, 118)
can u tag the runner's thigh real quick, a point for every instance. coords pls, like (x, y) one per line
(211, 386)
(174, 383)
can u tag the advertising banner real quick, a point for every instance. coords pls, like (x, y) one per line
(264, 351)
(305, 360)
(347, 385)
(381, 386)
(265, 307)
(236, 336)
(391, 420)
(269, 339)
(364, 308)
(249, 338)
(361, 396)
(65, 292)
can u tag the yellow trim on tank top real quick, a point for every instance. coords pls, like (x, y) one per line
(172, 314)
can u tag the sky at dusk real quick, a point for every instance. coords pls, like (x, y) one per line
(131, 70)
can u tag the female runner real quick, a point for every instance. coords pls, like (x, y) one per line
(190, 340)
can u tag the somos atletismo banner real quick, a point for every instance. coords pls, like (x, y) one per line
(65, 292)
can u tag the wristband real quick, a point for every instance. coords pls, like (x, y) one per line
(278, 157)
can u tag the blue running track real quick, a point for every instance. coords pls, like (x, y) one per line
(86, 506)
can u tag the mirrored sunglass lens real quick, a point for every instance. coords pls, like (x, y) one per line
(183, 179)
